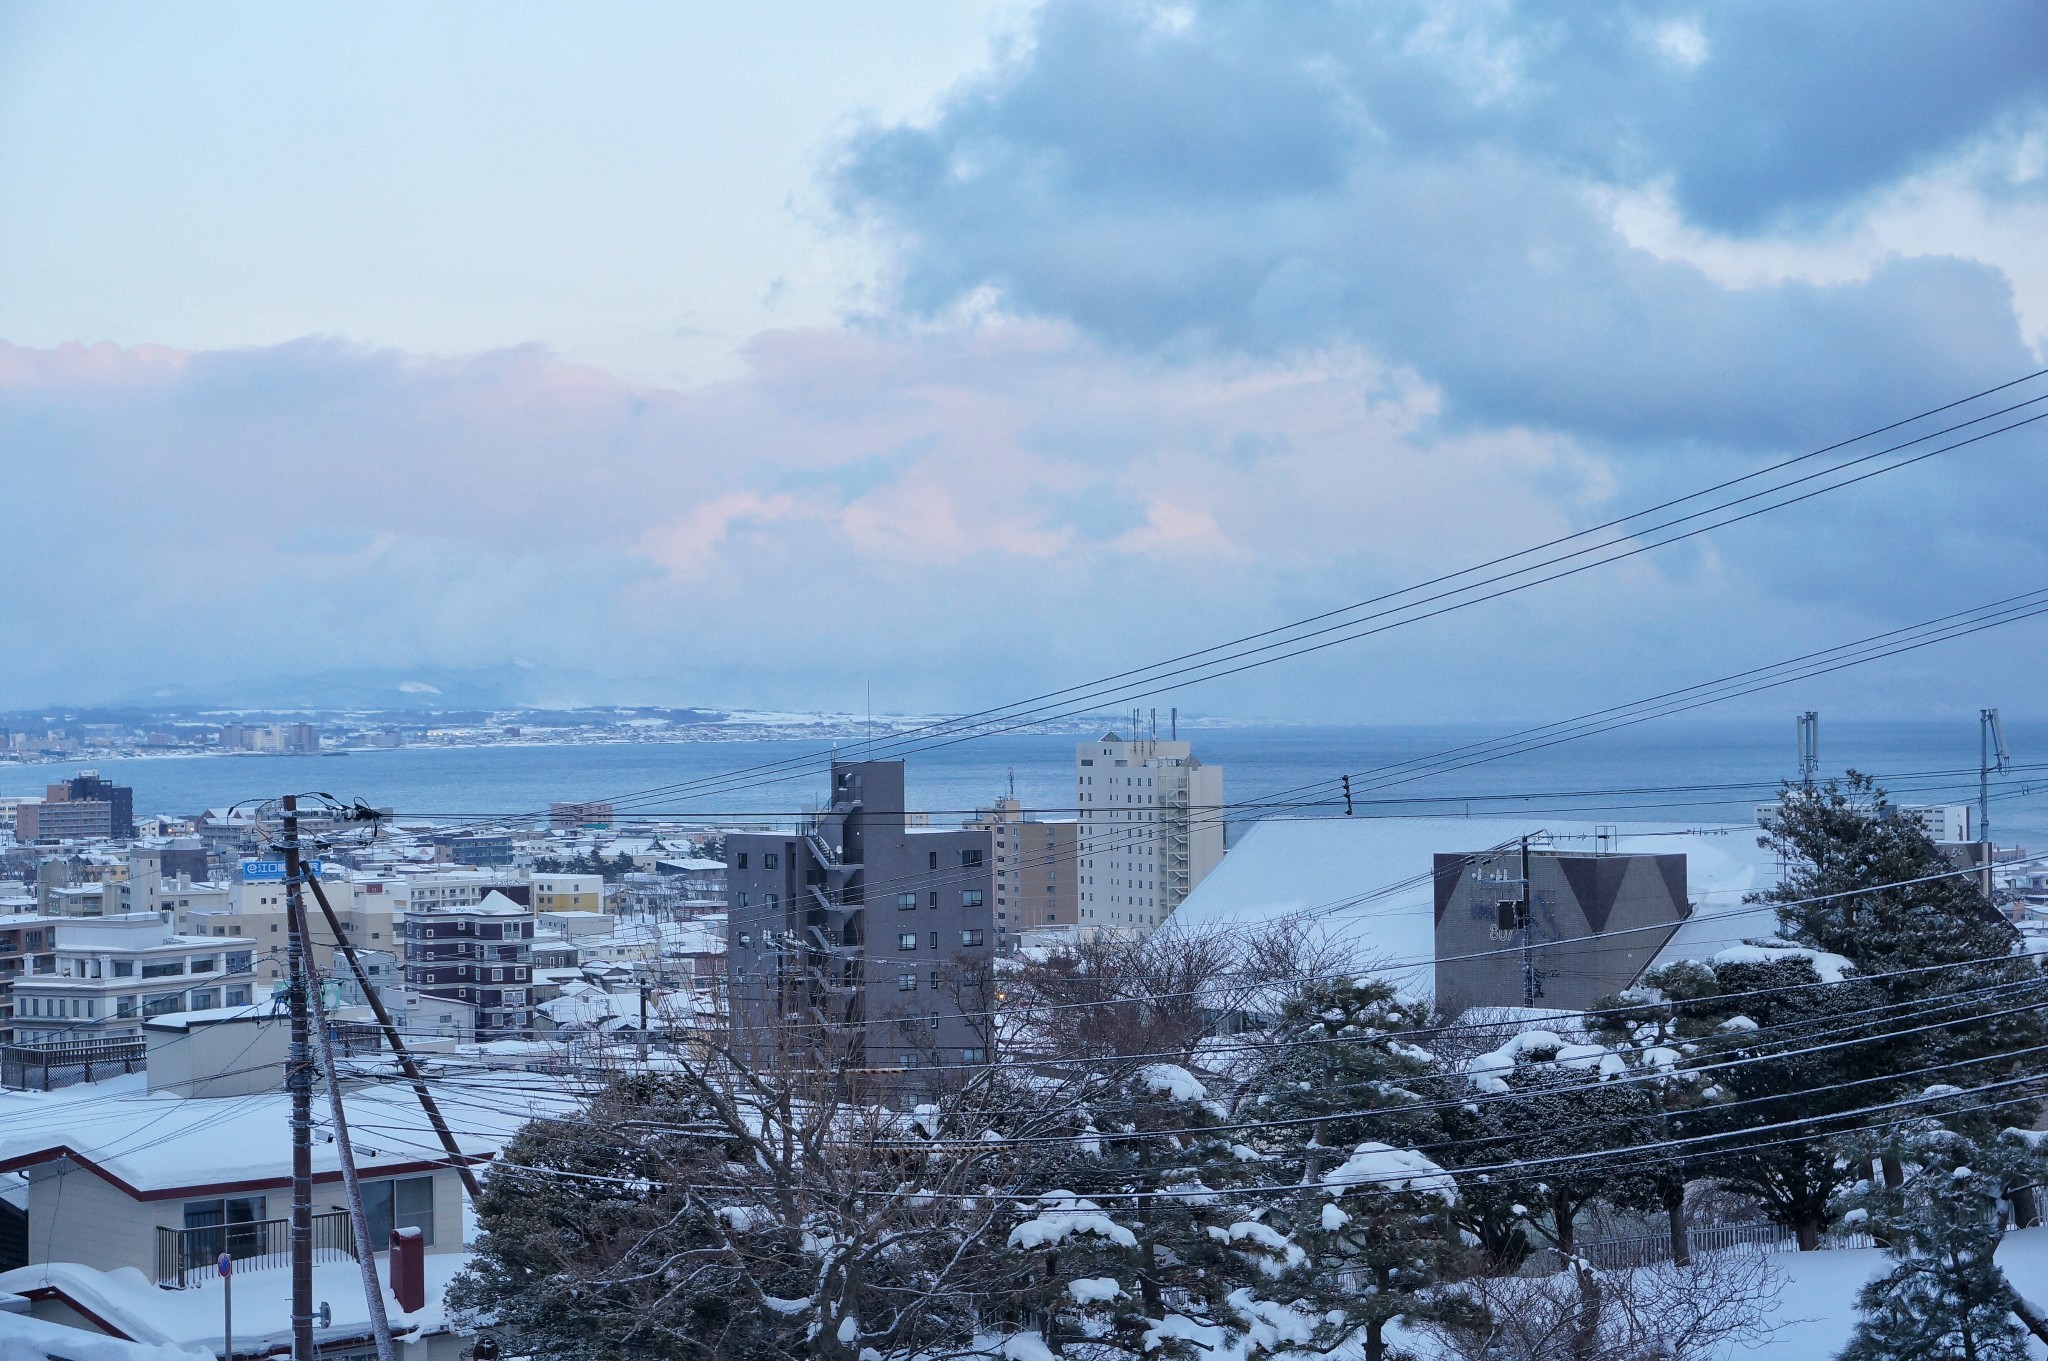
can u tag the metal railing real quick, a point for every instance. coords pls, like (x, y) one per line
(48, 1066)
(186, 1256)
(1625, 1254)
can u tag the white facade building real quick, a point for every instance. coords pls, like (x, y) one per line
(1151, 828)
(113, 973)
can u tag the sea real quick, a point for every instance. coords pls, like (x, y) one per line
(1692, 773)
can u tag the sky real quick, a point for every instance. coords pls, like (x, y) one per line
(953, 350)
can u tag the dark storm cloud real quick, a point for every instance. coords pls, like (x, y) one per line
(1426, 180)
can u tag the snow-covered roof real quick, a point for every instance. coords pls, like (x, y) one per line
(148, 1142)
(169, 1323)
(1370, 881)
(184, 1020)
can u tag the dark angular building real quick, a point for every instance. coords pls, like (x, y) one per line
(880, 932)
(1587, 927)
(119, 798)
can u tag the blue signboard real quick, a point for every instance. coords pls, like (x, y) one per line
(257, 871)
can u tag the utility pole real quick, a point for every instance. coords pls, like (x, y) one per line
(299, 1082)
(1809, 747)
(1991, 755)
(1527, 922)
(456, 1158)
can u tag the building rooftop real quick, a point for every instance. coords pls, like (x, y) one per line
(1370, 881)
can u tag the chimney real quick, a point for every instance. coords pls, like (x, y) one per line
(409, 1269)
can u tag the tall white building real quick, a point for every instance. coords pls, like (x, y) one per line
(1151, 828)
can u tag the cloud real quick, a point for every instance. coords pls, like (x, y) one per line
(1439, 185)
(960, 512)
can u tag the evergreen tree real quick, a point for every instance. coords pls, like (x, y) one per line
(1144, 1250)
(1346, 1101)
(1945, 1298)
(1786, 1066)
(1933, 940)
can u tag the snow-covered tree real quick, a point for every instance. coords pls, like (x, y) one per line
(1931, 944)
(1144, 1247)
(1344, 1096)
(1945, 1298)
(726, 1207)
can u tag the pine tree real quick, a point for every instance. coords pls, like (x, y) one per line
(1945, 1299)
(1346, 1101)
(1144, 1249)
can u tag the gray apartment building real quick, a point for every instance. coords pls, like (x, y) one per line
(883, 932)
(1586, 927)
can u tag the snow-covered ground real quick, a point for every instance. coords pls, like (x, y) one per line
(1817, 1308)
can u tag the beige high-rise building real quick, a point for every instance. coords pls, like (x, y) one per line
(1035, 871)
(1151, 828)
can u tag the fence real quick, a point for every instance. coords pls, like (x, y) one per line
(184, 1256)
(1625, 1254)
(47, 1066)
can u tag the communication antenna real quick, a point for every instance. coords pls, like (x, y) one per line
(1809, 747)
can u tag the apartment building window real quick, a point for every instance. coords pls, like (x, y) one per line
(973, 1055)
(935, 980)
(906, 1060)
(124, 968)
(970, 897)
(906, 982)
(742, 860)
(935, 940)
(907, 940)
(906, 902)
(206, 964)
(934, 860)
(971, 937)
(166, 968)
(404, 1203)
(935, 898)
(970, 859)
(770, 860)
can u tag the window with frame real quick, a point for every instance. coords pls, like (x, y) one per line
(906, 902)
(971, 937)
(970, 859)
(742, 861)
(934, 860)
(399, 1203)
(124, 968)
(973, 1055)
(906, 981)
(770, 860)
(907, 940)
(970, 897)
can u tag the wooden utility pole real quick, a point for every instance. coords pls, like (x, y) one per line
(456, 1158)
(299, 1082)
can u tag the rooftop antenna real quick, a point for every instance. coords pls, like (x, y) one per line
(1013, 784)
(1809, 747)
(1991, 755)
(1174, 720)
